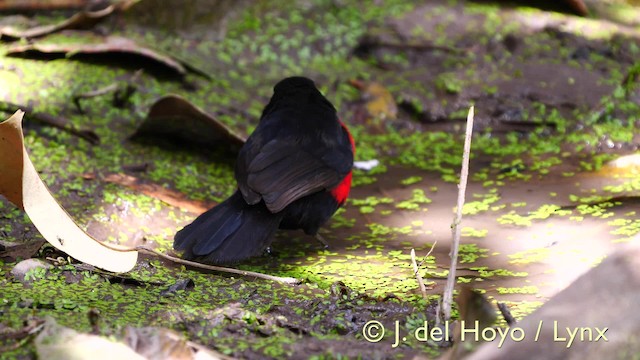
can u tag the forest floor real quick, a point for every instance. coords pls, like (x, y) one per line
(557, 101)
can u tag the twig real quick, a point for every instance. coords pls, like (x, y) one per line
(372, 42)
(91, 94)
(146, 250)
(55, 121)
(122, 92)
(447, 298)
(284, 280)
(423, 289)
(82, 20)
(438, 308)
(506, 314)
(30, 328)
(429, 253)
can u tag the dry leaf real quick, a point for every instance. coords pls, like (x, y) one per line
(82, 20)
(377, 105)
(379, 102)
(57, 342)
(82, 43)
(20, 184)
(158, 343)
(38, 5)
(168, 196)
(175, 118)
(11, 251)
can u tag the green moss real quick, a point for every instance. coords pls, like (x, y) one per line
(518, 290)
(478, 206)
(471, 232)
(264, 42)
(449, 83)
(418, 198)
(529, 256)
(469, 253)
(368, 204)
(411, 180)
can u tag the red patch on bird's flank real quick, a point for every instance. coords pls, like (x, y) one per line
(341, 192)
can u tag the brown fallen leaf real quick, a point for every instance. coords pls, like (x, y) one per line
(10, 251)
(160, 343)
(376, 106)
(21, 184)
(157, 343)
(82, 20)
(171, 197)
(34, 5)
(57, 342)
(175, 118)
(379, 102)
(83, 43)
(11, 159)
(578, 6)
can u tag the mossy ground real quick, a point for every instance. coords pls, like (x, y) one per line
(552, 109)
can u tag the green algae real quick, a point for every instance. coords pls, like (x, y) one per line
(418, 198)
(253, 55)
(518, 290)
(477, 206)
(468, 231)
(368, 204)
(529, 256)
(470, 253)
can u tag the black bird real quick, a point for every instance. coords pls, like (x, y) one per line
(293, 172)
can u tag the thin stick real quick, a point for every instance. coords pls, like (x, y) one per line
(429, 253)
(284, 280)
(423, 289)
(506, 313)
(447, 298)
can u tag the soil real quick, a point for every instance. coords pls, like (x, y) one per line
(555, 101)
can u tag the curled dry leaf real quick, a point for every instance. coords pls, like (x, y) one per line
(158, 343)
(379, 103)
(40, 5)
(82, 20)
(82, 43)
(56, 342)
(175, 118)
(168, 196)
(20, 184)
(11, 251)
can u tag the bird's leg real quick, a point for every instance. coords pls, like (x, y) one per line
(322, 241)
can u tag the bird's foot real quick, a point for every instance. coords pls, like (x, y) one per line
(325, 244)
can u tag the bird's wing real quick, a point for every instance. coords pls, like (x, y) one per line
(282, 172)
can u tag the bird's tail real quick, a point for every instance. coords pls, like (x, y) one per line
(229, 232)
